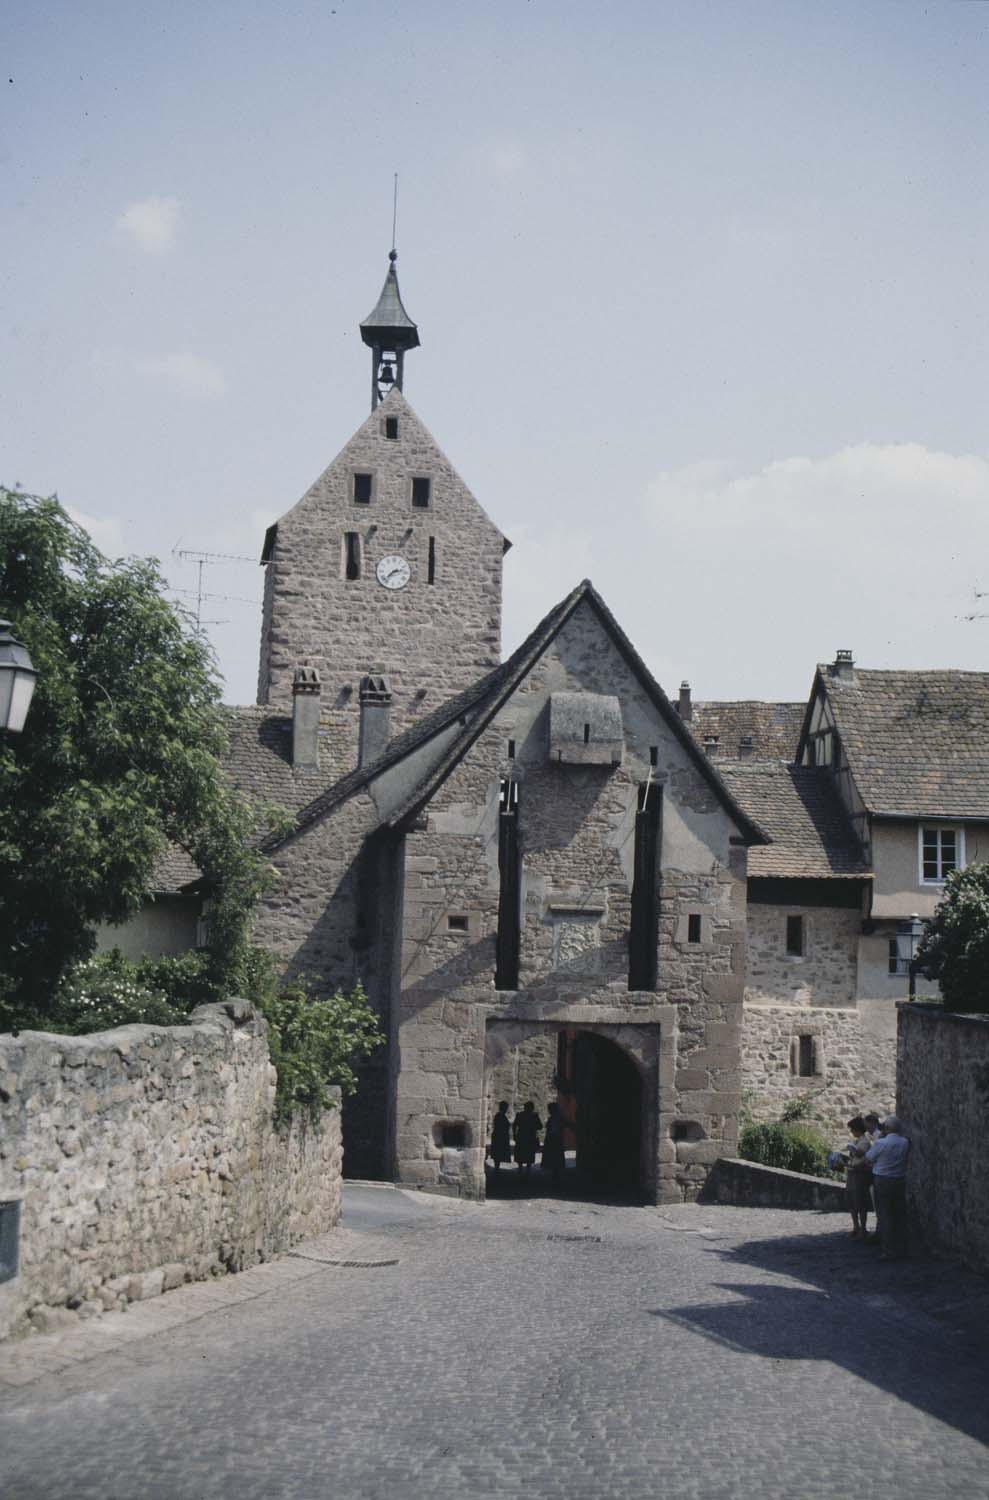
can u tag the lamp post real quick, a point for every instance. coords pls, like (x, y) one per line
(17, 680)
(908, 936)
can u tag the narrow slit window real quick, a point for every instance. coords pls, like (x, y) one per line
(694, 927)
(391, 427)
(805, 1057)
(509, 888)
(644, 933)
(895, 966)
(587, 734)
(363, 485)
(431, 568)
(351, 555)
(421, 492)
(654, 755)
(511, 749)
(795, 937)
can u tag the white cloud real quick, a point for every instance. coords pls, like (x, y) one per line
(742, 581)
(186, 372)
(104, 530)
(151, 223)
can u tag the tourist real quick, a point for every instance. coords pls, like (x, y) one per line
(554, 1159)
(858, 1177)
(526, 1128)
(501, 1137)
(872, 1128)
(888, 1160)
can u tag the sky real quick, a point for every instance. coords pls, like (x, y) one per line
(701, 289)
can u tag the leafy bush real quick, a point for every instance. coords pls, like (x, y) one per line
(955, 945)
(313, 1042)
(109, 991)
(793, 1145)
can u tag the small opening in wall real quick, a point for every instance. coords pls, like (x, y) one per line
(587, 734)
(351, 555)
(362, 489)
(687, 1130)
(391, 427)
(511, 749)
(795, 936)
(452, 1133)
(805, 1057)
(421, 492)
(694, 927)
(654, 755)
(431, 569)
(456, 923)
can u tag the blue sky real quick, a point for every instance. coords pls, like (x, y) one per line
(701, 290)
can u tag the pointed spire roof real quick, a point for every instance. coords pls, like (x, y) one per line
(389, 325)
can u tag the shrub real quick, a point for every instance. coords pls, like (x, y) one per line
(313, 1040)
(109, 991)
(795, 1146)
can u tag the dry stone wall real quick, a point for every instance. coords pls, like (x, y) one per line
(826, 973)
(942, 1098)
(146, 1156)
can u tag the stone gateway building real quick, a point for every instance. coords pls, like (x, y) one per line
(552, 881)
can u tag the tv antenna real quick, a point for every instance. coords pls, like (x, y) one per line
(199, 593)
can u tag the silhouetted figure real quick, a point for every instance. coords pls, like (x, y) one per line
(501, 1136)
(526, 1128)
(554, 1158)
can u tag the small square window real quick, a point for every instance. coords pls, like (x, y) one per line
(795, 936)
(456, 923)
(421, 488)
(942, 850)
(694, 927)
(391, 427)
(363, 484)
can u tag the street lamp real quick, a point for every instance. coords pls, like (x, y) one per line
(908, 936)
(17, 679)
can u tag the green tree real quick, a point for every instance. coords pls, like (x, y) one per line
(120, 756)
(955, 945)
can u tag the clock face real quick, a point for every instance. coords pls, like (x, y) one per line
(393, 572)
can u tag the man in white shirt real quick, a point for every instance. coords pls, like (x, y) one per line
(888, 1159)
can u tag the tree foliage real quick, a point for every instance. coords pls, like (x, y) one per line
(120, 756)
(955, 945)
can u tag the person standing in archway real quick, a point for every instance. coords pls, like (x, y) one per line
(501, 1136)
(527, 1126)
(554, 1159)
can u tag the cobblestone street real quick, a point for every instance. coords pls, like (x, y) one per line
(522, 1348)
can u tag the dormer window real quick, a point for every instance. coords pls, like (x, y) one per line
(941, 851)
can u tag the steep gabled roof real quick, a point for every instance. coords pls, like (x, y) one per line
(472, 710)
(773, 729)
(917, 743)
(800, 809)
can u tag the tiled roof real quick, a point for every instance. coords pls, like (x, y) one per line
(917, 742)
(174, 870)
(773, 728)
(801, 811)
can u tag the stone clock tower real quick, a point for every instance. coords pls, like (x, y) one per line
(385, 577)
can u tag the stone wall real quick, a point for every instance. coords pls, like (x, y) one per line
(942, 1098)
(826, 973)
(146, 1156)
(854, 1068)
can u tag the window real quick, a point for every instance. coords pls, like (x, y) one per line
(803, 1057)
(391, 427)
(694, 927)
(351, 561)
(431, 569)
(941, 851)
(895, 965)
(456, 923)
(795, 937)
(421, 493)
(363, 484)
(509, 888)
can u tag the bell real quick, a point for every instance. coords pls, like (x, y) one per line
(386, 375)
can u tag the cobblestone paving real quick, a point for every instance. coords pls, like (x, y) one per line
(537, 1349)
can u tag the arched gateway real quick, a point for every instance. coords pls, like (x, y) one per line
(605, 1080)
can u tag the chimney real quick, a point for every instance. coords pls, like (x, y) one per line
(843, 666)
(684, 708)
(305, 717)
(745, 746)
(710, 744)
(375, 717)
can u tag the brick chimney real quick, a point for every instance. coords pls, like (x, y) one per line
(305, 717)
(375, 717)
(684, 708)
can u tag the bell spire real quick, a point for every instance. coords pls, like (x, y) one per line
(388, 331)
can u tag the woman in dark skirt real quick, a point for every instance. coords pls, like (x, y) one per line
(501, 1136)
(554, 1158)
(526, 1127)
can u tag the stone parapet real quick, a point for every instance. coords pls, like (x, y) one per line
(146, 1156)
(750, 1184)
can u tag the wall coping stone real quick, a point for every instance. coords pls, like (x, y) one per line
(753, 1185)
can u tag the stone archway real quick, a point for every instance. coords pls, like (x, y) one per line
(605, 1078)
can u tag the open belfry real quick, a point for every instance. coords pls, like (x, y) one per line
(554, 882)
